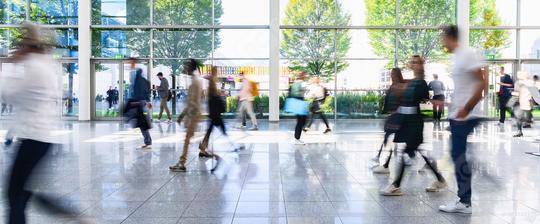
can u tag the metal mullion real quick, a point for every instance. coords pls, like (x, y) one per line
(518, 36)
(180, 27)
(27, 13)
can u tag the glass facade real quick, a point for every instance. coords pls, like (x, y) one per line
(351, 44)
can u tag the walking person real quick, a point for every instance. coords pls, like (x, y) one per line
(35, 90)
(523, 110)
(318, 93)
(138, 102)
(464, 113)
(411, 128)
(110, 98)
(191, 113)
(506, 84)
(297, 105)
(437, 100)
(163, 93)
(246, 98)
(391, 126)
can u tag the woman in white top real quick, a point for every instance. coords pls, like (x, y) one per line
(523, 112)
(318, 93)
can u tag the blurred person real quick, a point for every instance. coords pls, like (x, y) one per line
(110, 97)
(216, 106)
(505, 93)
(138, 101)
(34, 91)
(318, 93)
(116, 95)
(437, 100)
(163, 92)
(191, 113)
(6, 109)
(245, 99)
(464, 113)
(391, 126)
(298, 105)
(411, 128)
(522, 112)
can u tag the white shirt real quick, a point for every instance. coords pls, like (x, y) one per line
(522, 86)
(315, 92)
(35, 91)
(465, 63)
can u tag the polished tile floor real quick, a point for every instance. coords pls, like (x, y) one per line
(329, 180)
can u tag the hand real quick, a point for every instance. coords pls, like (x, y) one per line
(462, 114)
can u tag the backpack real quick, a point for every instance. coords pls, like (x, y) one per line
(254, 88)
(326, 93)
(296, 90)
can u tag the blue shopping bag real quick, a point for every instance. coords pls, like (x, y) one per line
(296, 106)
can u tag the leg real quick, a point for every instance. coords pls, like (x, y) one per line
(311, 118)
(435, 109)
(400, 172)
(459, 132)
(387, 163)
(502, 108)
(204, 144)
(146, 136)
(166, 107)
(324, 120)
(432, 166)
(249, 107)
(189, 134)
(29, 154)
(161, 107)
(385, 140)
(300, 123)
(241, 114)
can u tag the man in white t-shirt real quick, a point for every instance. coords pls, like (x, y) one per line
(464, 113)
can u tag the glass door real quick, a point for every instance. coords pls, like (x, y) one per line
(111, 86)
(494, 75)
(70, 88)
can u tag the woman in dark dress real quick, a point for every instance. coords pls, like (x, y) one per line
(412, 127)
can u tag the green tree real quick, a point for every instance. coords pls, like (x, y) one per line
(313, 50)
(428, 13)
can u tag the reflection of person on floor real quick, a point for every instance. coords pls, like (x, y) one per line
(34, 93)
(412, 126)
(523, 110)
(318, 93)
(191, 113)
(138, 101)
(110, 97)
(437, 100)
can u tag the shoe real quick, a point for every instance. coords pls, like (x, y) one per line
(299, 142)
(205, 154)
(177, 168)
(254, 128)
(8, 142)
(500, 124)
(328, 130)
(381, 170)
(456, 207)
(436, 186)
(391, 190)
(241, 127)
(306, 129)
(527, 126)
(518, 135)
(145, 147)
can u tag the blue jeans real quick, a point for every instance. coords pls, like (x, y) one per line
(132, 114)
(460, 131)
(146, 136)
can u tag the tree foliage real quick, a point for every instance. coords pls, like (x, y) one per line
(428, 13)
(314, 50)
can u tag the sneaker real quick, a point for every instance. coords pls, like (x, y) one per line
(381, 170)
(205, 154)
(254, 128)
(436, 186)
(145, 147)
(177, 168)
(456, 207)
(391, 190)
(306, 129)
(518, 135)
(299, 142)
(328, 130)
(8, 142)
(527, 126)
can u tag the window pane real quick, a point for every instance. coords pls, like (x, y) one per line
(499, 44)
(377, 13)
(127, 43)
(184, 12)
(70, 80)
(12, 11)
(241, 12)
(120, 12)
(313, 13)
(182, 44)
(419, 42)
(494, 13)
(8, 39)
(529, 13)
(426, 12)
(372, 44)
(309, 43)
(67, 43)
(530, 44)
(242, 43)
(62, 12)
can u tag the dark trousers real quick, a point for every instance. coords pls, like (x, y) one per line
(411, 149)
(28, 156)
(300, 123)
(214, 122)
(524, 117)
(503, 100)
(312, 117)
(460, 130)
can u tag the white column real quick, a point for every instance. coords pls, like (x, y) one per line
(274, 61)
(84, 60)
(463, 11)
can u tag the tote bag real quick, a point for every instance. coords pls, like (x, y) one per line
(296, 106)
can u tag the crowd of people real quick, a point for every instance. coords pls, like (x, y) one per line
(306, 99)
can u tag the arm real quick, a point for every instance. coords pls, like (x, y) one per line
(479, 88)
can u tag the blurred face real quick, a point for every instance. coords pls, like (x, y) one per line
(132, 64)
(417, 65)
(448, 43)
(188, 68)
(501, 71)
